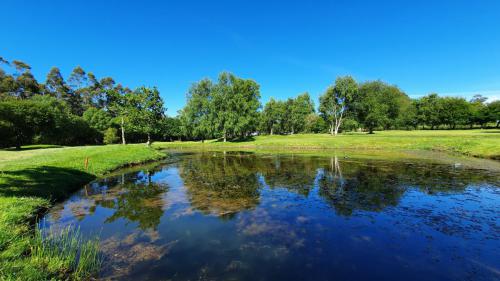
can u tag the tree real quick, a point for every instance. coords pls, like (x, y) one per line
(372, 107)
(57, 87)
(493, 112)
(147, 110)
(300, 108)
(228, 108)
(478, 111)
(314, 124)
(8, 85)
(98, 119)
(20, 120)
(22, 85)
(170, 128)
(45, 117)
(235, 102)
(26, 85)
(197, 118)
(429, 110)
(454, 111)
(20, 66)
(78, 81)
(272, 117)
(336, 100)
(120, 108)
(408, 117)
(110, 136)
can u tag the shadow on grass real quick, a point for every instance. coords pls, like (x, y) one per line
(32, 147)
(47, 182)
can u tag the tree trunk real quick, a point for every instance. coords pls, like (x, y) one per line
(149, 140)
(331, 129)
(225, 136)
(123, 131)
(370, 130)
(271, 131)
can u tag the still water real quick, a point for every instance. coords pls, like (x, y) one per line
(244, 216)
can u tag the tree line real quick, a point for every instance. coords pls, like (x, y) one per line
(230, 108)
(80, 110)
(84, 109)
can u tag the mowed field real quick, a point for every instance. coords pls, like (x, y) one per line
(477, 143)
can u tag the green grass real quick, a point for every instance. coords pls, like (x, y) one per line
(477, 143)
(30, 181)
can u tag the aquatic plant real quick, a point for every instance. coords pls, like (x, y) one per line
(66, 252)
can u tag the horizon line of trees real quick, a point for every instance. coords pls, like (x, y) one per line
(222, 110)
(86, 110)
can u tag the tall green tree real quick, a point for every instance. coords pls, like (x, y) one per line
(98, 119)
(21, 120)
(120, 105)
(455, 111)
(336, 101)
(236, 103)
(478, 111)
(493, 112)
(272, 117)
(372, 107)
(7, 82)
(300, 108)
(197, 118)
(56, 87)
(78, 81)
(147, 111)
(429, 110)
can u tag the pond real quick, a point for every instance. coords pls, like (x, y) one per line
(247, 216)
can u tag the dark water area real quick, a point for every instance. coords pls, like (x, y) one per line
(245, 216)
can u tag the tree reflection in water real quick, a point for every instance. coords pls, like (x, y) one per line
(359, 188)
(132, 196)
(221, 184)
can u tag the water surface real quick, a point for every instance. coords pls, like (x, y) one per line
(242, 216)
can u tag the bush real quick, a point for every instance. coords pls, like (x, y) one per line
(111, 136)
(349, 124)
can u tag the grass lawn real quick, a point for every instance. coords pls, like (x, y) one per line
(30, 181)
(477, 143)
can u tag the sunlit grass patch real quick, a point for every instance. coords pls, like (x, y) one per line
(477, 143)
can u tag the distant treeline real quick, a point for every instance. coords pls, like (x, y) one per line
(86, 110)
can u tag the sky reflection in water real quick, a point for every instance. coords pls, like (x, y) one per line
(242, 216)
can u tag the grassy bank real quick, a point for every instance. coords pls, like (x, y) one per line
(477, 143)
(33, 178)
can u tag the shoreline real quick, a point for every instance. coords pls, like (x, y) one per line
(24, 200)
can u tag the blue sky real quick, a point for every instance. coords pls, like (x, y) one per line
(288, 47)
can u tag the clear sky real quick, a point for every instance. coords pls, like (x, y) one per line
(288, 47)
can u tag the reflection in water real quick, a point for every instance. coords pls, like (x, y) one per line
(362, 188)
(242, 216)
(220, 185)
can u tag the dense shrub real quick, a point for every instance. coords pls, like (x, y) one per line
(110, 136)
